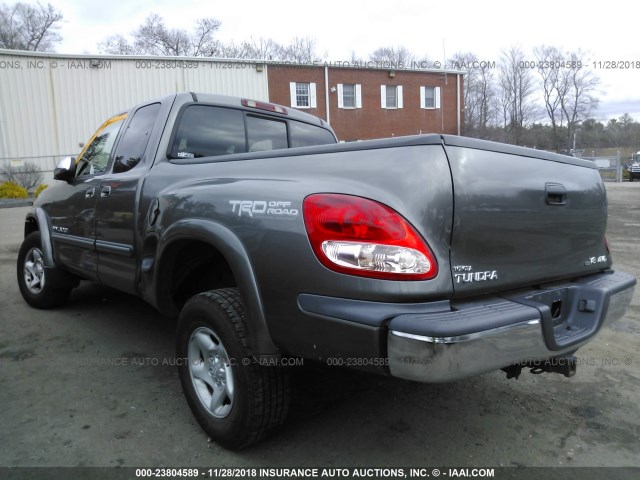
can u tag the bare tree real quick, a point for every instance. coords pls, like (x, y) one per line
(567, 91)
(118, 45)
(27, 176)
(203, 42)
(517, 86)
(302, 50)
(397, 56)
(462, 61)
(579, 100)
(29, 27)
(233, 50)
(487, 98)
(480, 100)
(553, 89)
(154, 38)
(355, 59)
(261, 48)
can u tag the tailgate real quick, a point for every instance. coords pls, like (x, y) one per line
(523, 217)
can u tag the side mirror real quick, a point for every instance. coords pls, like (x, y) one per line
(66, 169)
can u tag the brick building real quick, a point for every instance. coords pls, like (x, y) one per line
(364, 103)
(50, 102)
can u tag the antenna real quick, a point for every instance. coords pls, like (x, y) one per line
(446, 82)
(444, 61)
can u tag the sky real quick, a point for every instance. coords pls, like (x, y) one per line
(605, 32)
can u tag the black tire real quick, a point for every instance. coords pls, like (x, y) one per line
(32, 276)
(259, 397)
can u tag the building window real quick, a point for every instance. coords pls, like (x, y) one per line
(429, 97)
(349, 95)
(391, 96)
(303, 95)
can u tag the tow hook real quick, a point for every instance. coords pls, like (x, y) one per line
(565, 365)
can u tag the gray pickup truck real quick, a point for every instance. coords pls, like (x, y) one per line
(430, 258)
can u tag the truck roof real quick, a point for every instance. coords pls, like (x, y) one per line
(236, 102)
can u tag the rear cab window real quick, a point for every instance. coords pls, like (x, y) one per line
(211, 131)
(265, 134)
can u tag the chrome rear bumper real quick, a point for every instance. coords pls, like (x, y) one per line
(420, 348)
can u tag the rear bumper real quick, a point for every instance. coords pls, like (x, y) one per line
(495, 332)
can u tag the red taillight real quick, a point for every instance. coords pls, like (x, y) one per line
(358, 236)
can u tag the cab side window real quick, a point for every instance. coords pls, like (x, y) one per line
(305, 135)
(209, 131)
(134, 140)
(95, 158)
(206, 131)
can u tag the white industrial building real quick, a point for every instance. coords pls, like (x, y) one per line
(51, 103)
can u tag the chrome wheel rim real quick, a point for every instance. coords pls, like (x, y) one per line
(34, 271)
(210, 372)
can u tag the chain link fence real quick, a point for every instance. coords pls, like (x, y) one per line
(610, 168)
(44, 165)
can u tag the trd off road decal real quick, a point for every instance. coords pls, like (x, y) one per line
(254, 208)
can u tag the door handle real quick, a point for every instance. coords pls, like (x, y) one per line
(555, 194)
(90, 192)
(105, 192)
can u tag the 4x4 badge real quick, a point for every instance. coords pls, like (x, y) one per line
(595, 260)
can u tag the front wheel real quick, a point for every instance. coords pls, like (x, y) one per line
(33, 279)
(236, 400)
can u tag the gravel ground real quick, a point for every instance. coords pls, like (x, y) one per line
(91, 384)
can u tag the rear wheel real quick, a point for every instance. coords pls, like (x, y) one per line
(33, 278)
(235, 399)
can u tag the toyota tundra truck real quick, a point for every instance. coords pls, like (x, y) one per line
(431, 258)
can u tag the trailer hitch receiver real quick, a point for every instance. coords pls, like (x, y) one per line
(565, 365)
